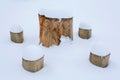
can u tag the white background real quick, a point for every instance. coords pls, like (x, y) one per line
(69, 60)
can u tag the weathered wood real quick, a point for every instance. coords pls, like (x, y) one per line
(101, 61)
(17, 37)
(33, 66)
(51, 30)
(85, 33)
(66, 27)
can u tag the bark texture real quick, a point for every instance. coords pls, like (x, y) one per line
(101, 61)
(17, 37)
(33, 66)
(85, 33)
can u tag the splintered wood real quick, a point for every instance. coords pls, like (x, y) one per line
(51, 30)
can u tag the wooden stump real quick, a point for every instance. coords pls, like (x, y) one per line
(33, 66)
(85, 33)
(17, 37)
(33, 58)
(101, 61)
(51, 30)
(16, 34)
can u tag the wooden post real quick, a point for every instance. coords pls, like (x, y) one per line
(33, 58)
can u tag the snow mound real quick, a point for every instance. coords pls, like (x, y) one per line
(99, 50)
(53, 13)
(16, 29)
(65, 39)
(85, 26)
(33, 52)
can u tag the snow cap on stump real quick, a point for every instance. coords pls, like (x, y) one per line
(54, 13)
(33, 58)
(99, 49)
(84, 26)
(16, 29)
(33, 52)
(16, 34)
(99, 56)
(85, 31)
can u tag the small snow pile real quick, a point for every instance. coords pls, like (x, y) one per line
(16, 29)
(53, 13)
(99, 49)
(65, 39)
(85, 26)
(33, 52)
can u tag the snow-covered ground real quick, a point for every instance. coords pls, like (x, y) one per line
(69, 60)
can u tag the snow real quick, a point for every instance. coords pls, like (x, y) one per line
(54, 13)
(85, 26)
(16, 29)
(33, 53)
(65, 39)
(69, 60)
(99, 50)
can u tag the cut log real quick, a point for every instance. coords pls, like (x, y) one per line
(17, 37)
(99, 56)
(33, 58)
(85, 31)
(16, 34)
(101, 61)
(49, 31)
(33, 66)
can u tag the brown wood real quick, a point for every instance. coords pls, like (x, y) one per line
(66, 27)
(17, 37)
(101, 61)
(33, 66)
(85, 33)
(51, 30)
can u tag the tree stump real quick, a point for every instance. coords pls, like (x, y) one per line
(51, 30)
(99, 57)
(85, 31)
(16, 34)
(33, 59)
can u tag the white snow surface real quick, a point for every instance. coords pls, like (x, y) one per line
(33, 52)
(99, 50)
(69, 60)
(85, 26)
(16, 29)
(56, 13)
